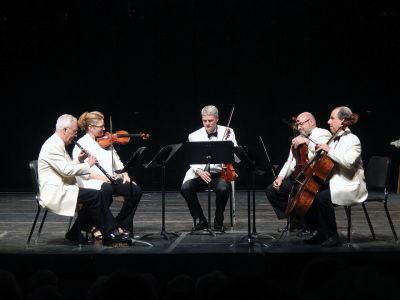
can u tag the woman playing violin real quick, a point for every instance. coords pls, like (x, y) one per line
(278, 192)
(92, 123)
(346, 183)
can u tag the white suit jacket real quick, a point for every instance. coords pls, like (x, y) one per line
(201, 135)
(318, 135)
(347, 183)
(56, 172)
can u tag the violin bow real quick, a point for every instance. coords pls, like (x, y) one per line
(112, 146)
(224, 137)
(267, 156)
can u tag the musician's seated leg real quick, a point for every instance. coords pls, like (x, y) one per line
(279, 201)
(189, 192)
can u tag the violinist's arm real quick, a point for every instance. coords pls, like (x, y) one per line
(299, 140)
(204, 175)
(277, 182)
(98, 177)
(125, 177)
(322, 147)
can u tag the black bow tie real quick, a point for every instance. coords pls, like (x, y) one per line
(212, 134)
(337, 138)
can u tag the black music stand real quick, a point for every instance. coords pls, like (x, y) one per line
(132, 162)
(160, 160)
(214, 152)
(250, 164)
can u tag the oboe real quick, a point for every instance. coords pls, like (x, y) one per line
(112, 180)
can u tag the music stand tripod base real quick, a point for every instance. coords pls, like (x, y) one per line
(164, 234)
(249, 241)
(160, 160)
(132, 162)
(207, 231)
(133, 241)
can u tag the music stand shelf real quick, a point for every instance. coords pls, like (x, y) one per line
(160, 160)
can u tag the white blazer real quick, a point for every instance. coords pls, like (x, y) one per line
(318, 135)
(201, 135)
(56, 172)
(347, 183)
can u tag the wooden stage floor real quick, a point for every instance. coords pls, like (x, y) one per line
(272, 253)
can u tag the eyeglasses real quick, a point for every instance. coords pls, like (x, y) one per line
(74, 131)
(302, 123)
(98, 126)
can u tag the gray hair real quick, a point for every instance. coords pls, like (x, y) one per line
(64, 121)
(209, 110)
(344, 113)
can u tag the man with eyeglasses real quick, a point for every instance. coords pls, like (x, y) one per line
(278, 192)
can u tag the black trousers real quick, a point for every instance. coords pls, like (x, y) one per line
(221, 188)
(132, 194)
(279, 198)
(321, 215)
(92, 212)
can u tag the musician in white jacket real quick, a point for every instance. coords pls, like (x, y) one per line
(279, 191)
(92, 123)
(58, 187)
(197, 178)
(346, 184)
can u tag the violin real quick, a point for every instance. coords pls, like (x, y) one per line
(120, 137)
(228, 172)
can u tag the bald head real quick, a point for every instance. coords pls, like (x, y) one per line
(305, 123)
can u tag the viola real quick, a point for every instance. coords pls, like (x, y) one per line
(120, 137)
(228, 172)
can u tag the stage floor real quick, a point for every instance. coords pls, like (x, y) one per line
(17, 213)
(270, 254)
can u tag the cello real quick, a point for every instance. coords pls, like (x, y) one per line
(300, 153)
(320, 168)
(228, 172)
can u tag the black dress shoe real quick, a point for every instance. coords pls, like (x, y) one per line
(219, 227)
(333, 241)
(110, 239)
(201, 225)
(304, 233)
(124, 238)
(315, 240)
(78, 237)
(294, 229)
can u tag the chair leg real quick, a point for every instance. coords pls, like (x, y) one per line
(231, 207)
(390, 220)
(348, 214)
(33, 225)
(41, 225)
(368, 220)
(78, 223)
(69, 223)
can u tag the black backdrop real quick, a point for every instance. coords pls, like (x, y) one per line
(153, 64)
